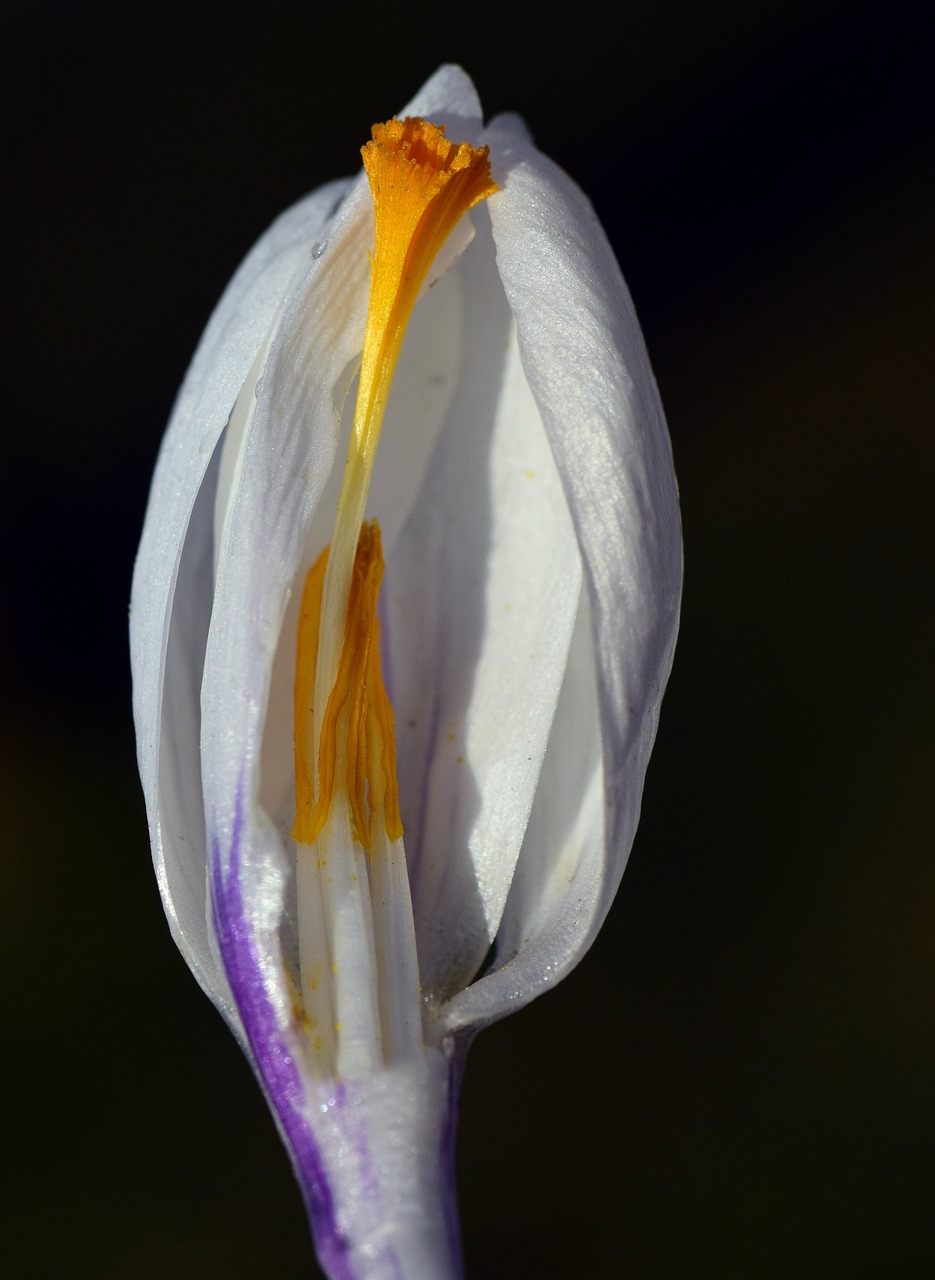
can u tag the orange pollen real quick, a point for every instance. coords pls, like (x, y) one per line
(358, 737)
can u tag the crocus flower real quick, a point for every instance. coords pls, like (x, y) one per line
(394, 707)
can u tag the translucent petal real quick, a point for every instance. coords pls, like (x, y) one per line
(587, 368)
(172, 587)
(482, 593)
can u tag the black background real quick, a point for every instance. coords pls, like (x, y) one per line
(738, 1080)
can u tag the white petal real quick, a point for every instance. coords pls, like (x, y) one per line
(584, 357)
(288, 453)
(449, 98)
(482, 594)
(171, 596)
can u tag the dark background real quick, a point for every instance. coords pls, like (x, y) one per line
(738, 1080)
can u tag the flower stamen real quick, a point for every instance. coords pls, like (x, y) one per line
(359, 711)
(421, 185)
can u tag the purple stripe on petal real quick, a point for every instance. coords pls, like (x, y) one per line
(369, 1187)
(446, 1164)
(274, 1061)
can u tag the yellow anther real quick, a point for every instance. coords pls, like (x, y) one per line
(306, 662)
(358, 736)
